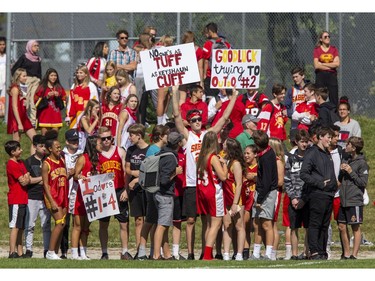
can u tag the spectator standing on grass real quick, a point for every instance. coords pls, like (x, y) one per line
(163, 198)
(327, 110)
(135, 154)
(18, 179)
(55, 182)
(211, 171)
(124, 56)
(97, 63)
(31, 62)
(18, 120)
(265, 196)
(87, 165)
(127, 117)
(326, 61)
(49, 99)
(353, 176)
(249, 123)
(298, 209)
(36, 205)
(193, 145)
(318, 173)
(112, 160)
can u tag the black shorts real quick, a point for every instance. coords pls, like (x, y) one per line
(177, 210)
(189, 202)
(350, 215)
(299, 217)
(123, 206)
(151, 209)
(137, 203)
(17, 215)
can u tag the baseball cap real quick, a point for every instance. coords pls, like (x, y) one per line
(71, 135)
(174, 138)
(248, 118)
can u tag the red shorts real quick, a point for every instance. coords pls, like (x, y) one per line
(210, 202)
(79, 207)
(336, 207)
(277, 205)
(286, 202)
(249, 201)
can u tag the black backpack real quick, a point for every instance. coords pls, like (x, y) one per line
(217, 44)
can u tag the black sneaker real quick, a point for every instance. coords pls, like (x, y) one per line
(28, 254)
(294, 258)
(352, 257)
(219, 257)
(13, 255)
(45, 253)
(104, 256)
(142, 258)
(63, 257)
(190, 257)
(126, 256)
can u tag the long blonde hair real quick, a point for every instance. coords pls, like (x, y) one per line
(277, 146)
(86, 80)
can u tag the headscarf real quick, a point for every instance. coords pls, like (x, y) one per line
(29, 53)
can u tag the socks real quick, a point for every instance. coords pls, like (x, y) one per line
(141, 250)
(83, 251)
(160, 120)
(175, 249)
(74, 253)
(124, 250)
(273, 254)
(207, 253)
(288, 251)
(256, 251)
(269, 250)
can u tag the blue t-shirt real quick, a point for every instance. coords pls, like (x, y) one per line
(152, 150)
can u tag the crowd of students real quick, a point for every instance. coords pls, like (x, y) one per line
(229, 164)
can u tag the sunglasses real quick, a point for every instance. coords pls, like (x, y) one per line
(327, 36)
(126, 37)
(194, 120)
(106, 138)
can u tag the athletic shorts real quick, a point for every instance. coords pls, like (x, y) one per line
(267, 208)
(177, 209)
(277, 205)
(123, 216)
(286, 202)
(298, 217)
(137, 203)
(17, 216)
(151, 210)
(350, 215)
(336, 207)
(189, 204)
(164, 204)
(249, 201)
(79, 206)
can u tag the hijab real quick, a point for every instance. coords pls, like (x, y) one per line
(29, 53)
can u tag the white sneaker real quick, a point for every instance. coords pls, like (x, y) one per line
(76, 258)
(85, 258)
(239, 257)
(52, 256)
(226, 257)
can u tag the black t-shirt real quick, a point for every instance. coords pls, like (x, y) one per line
(135, 155)
(34, 167)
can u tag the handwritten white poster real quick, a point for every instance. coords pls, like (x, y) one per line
(99, 196)
(169, 66)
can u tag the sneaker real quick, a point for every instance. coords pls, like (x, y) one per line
(366, 242)
(45, 253)
(52, 256)
(63, 257)
(344, 258)
(294, 258)
(239, 257)
(28, 254)
(253, 258)
(141, 258)
(126, 256)
(316, 257)
(76, 258)
(352, 257)
(201, 257)
(302, 257)
(171, 258)
(245, 255)
(179, 257)
(190, 257)
(226, 257)
(13, 255)
(157, 259)
(104, 256)
(86, 258)
(219, 257)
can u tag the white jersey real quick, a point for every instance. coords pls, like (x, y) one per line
(192, 149)
(125, 142)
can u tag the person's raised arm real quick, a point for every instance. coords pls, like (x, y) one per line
(177, 114)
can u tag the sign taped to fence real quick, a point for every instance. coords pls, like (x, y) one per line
(238, 68)
(169, 66)
(99, 196)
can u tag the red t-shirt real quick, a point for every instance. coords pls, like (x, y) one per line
(17, 193)
(200, 105)
(326, 57)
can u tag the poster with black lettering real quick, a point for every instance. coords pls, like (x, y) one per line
(239, 68)
(169, 66)
(99, 196)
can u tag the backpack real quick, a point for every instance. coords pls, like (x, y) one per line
(149, 172)
(217, 44)
(334, 115)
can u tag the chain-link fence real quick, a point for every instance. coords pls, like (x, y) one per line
(286, 40)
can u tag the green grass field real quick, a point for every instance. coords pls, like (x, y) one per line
(368, 128)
